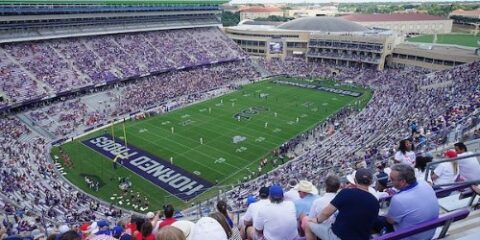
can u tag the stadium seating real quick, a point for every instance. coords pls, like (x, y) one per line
(65, 65)
(443, 221)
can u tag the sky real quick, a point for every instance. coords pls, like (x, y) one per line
(329, 1)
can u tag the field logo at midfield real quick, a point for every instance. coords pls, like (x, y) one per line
(250, 112)
(237, 139)
(162, 173)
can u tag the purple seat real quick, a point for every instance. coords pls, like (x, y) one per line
(444, 220)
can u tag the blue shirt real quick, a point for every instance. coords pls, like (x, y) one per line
(303, 205)
(413, 206)
(357, 213)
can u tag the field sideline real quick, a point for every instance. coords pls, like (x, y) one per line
(237, 130)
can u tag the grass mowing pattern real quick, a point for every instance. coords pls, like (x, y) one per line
(457, 39)
(217, 128)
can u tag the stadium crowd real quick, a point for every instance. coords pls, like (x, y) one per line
(44, 68)
(352, 142)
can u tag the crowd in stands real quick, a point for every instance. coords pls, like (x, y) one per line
(45, 68)
(63, 118)
(400, 109)
(31, 186)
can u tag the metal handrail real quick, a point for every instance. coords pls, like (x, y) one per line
(430, 167)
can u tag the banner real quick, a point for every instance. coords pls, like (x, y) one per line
(162, 173)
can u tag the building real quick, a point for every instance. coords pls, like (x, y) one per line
(317, 39)
(260, 12)
(337, 41)
(313, 11)
(473, 14)
(437, 57)
(404, 23)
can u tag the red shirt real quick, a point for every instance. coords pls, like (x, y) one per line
(149, 237)
(167, 222)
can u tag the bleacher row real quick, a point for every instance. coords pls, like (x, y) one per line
(33, 70)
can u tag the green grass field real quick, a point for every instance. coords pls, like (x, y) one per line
(218, 159)
(457, 39)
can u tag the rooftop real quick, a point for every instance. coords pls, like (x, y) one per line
(381, 17)
(261, 9)
(323, 24)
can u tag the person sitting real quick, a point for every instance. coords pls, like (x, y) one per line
(446, 172)
(332, 184)
(252, 211)
(469, 167)
(415, 203)
(276, 220)
(357, 212)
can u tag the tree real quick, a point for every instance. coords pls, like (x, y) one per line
(230, 19)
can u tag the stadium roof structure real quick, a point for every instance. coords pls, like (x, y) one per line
(323, 24)
(392, 17)
(110, 2)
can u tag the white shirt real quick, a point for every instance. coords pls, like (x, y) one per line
(320, 203)
(252, 210)
(278, 221)
(291, 195)
(469, 167)
(420, 176)
(407, 158)
(445, 173)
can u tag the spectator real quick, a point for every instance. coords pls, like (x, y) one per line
(405, 153)
(332, 184)
(222, 207)
(415, 203)
(169, 218)
(292, 194)
(251, 214)
(446, 172)
(276, 220)
(146, 232)
(208, 228)
(186, 227)
(421, 167)
(308, 193)
(232, 233)
(469, 167)
(170, 233)
(357, 212)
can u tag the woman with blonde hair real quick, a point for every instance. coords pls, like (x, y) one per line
(446, 172)
(170, 233)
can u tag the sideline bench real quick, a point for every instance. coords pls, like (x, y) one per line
(444, 220)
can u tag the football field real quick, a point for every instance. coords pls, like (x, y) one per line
(179, 157)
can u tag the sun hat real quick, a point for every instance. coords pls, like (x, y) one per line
(187, 228)
(208, 228)
(306, 186)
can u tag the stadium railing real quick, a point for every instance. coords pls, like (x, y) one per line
(443, 221)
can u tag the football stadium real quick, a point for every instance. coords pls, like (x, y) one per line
(148, 119)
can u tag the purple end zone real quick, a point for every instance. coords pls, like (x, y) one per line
(171, 178)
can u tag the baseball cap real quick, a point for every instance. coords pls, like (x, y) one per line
(263, 192)
(451, 153)
(276, 192)
(363, 176)
(117, 230)
(250, 199)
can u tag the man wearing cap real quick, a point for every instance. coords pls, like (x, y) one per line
(276, 220)
(415, 203)
(469, 167)
(252, 211)
(446, 172)
(357, 212)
